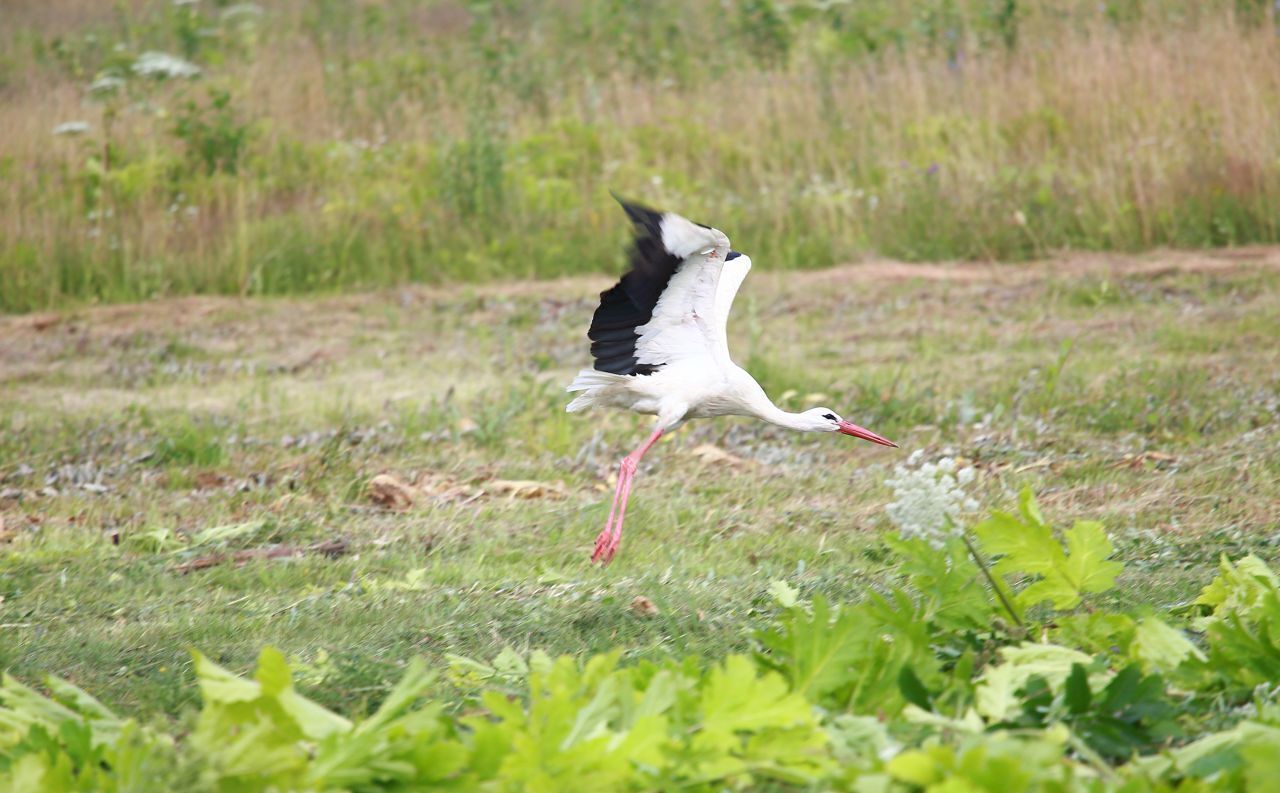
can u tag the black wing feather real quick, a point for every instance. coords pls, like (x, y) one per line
(629, 303)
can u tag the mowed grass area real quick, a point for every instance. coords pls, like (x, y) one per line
(135, 440)
(149, 148)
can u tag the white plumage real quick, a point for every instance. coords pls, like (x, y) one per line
(660, 342)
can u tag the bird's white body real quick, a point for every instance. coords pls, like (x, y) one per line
(660, 342)
(692, 390)
(686, 337)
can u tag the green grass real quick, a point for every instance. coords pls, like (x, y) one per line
(210, 426)
(331, 146)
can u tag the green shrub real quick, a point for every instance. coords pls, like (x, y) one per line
(964, 677)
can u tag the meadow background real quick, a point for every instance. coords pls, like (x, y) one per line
(304, 146)
(289, 293)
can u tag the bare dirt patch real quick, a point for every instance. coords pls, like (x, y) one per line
(1065, 265)
(282, 320)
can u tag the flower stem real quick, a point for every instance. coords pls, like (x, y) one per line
(982, 565)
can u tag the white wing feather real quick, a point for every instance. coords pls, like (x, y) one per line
(690, 318)
(732, 274)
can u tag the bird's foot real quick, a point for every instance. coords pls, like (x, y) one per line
(606, 546)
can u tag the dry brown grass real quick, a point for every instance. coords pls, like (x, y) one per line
(1090, 135)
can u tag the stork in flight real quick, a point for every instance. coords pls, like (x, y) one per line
(658, 339)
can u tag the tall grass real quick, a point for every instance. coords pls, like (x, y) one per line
(331, 144)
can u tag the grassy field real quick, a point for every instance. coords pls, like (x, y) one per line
(195, 472)
(329, 145)
(290, 292)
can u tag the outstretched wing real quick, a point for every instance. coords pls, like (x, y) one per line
(732, 274)
(673, 304)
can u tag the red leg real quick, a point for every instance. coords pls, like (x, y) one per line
(605, 537)
(610, 538)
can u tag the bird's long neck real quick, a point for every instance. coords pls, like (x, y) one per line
(763, 408)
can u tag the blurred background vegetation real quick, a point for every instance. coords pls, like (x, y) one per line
(155, 148)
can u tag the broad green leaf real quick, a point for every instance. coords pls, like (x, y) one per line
(1027, 547)
(996, 698)
(80, 700)
(141, 758)
(315, 721)
(1239, 588)
(593, 718)
(913, 690)
(1088, 548)
(1096, 632)
(390, 745)
(33, 773)
(539, 662)
(646, 742)
(659, 696)
(783, 593)
(510, 663)
(218, 685)
(105, 725)
(24, 708)
(257, 749)
(1213, 752)
(969, 723)
(490, 745)
(753, 723)
(820, 652)
(272, 672)
(464, 671)
(850, 657)
(735, 698)
(1243, 629)
(413, 684)
(1160, 648)
(859, 740)
(1030, 509)
(1261, 756)
(952, 592)
(1077, 694)
(1123, 689)
(1245, 649)
(796, 756)
(915, 767)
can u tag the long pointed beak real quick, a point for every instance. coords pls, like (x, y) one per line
(849, 428)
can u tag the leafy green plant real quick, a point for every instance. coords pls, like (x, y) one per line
(213, 132)
(849, 657)
(896, 693)
(1026, 547)
(1242, 623)
(1129, 714)
(763, 23)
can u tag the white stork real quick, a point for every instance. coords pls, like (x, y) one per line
(659, 343)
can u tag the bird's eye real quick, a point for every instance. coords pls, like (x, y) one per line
(829, 416)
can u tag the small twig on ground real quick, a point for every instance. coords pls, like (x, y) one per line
(329, 548)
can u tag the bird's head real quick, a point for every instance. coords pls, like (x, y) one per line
(827, 420)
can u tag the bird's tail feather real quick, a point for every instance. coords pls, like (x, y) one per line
(590, 382)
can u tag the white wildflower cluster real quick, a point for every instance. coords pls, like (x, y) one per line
(929, 499)
(105, 85)
(71, 128)
(164, 65)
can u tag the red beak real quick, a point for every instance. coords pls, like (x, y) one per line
(849, 428)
